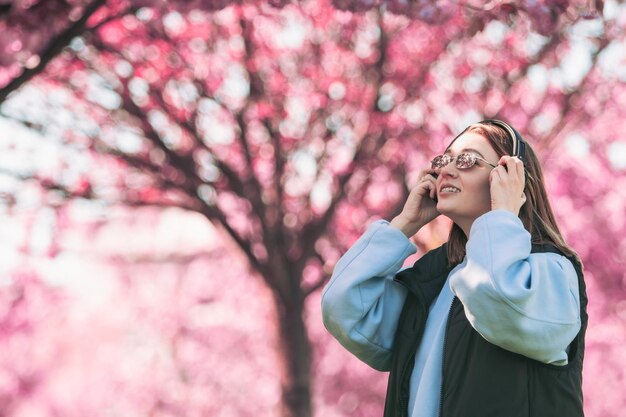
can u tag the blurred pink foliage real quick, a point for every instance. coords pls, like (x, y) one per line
(289, 127)
(126, 345)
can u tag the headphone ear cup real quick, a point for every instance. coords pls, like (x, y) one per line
(521, 150)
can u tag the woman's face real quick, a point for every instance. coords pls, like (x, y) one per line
(463, 194)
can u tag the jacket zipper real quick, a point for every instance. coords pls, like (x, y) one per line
(443, 362)
(404, 403)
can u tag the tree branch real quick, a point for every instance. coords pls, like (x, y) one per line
(568, 99)
(53, 49)
(317, 227)
(319, 283)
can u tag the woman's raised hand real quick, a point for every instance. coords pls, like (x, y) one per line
(507, 185)
(420, 207)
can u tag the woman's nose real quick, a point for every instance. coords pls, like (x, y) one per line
(449, 170)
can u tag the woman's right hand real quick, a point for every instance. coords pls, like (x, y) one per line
(420, 207)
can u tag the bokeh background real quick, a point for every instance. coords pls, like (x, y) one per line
(178, 179)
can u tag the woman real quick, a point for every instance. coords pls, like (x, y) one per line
(492, 323)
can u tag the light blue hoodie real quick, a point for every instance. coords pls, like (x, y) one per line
(526, 303)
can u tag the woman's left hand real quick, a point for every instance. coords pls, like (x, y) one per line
(506, 183)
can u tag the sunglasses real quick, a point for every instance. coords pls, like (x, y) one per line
(463, 161)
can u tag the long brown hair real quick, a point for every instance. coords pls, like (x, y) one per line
(536, 213)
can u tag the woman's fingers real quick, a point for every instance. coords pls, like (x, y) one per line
(428, 172)
(512, 163)
(519, 164)
(507, 184)
(499, 172)
(430, 181)
(427, 177)
(511, 167)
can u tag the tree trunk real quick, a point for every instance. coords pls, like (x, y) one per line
(295, 358)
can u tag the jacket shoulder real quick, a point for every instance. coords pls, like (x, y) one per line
(428, 273)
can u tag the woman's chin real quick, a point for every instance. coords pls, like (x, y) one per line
(444, 208)
(449, 211)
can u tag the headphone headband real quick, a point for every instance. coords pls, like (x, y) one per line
(519, 146)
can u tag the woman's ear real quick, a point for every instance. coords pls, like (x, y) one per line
(523, 198)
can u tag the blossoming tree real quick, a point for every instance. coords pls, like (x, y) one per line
(290, 125)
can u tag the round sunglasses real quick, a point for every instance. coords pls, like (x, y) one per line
(463, 161)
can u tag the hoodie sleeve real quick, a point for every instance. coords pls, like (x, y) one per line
(361, 303)
(526, 303)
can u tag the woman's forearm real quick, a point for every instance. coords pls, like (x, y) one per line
(361, 303)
